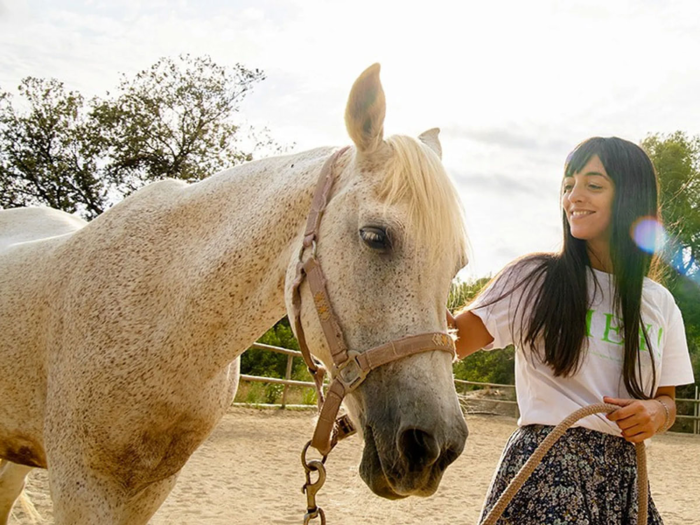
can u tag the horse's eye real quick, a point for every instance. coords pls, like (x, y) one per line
(376, 238)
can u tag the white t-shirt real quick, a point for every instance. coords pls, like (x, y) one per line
(545, 399)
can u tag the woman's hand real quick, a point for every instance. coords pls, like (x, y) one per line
(639, 419)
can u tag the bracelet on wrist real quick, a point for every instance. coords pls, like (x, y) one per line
(667, 421)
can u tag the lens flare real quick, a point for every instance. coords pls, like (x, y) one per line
(649, 234)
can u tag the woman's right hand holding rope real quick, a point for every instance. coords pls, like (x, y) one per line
(640, 419)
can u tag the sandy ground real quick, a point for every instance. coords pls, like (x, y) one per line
(249, 472)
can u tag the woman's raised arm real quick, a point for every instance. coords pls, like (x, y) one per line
(472, 335)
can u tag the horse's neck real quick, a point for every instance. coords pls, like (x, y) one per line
(251, 224)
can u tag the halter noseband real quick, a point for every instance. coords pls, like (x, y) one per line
(350, 367)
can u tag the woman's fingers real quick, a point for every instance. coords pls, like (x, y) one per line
(629, 407)
(634, 417)
(637, 434)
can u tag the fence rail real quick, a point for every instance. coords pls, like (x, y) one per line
(276, 381)
(288, 381)
(695, 418)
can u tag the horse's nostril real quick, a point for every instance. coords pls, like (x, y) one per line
(419, 448)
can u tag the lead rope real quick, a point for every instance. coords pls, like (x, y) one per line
(528, 468)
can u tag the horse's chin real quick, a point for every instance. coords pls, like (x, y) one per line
(384, 475)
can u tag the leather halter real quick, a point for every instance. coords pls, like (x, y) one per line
(350, 367)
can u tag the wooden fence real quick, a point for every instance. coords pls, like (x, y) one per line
(481, 405)
(288, 381)
(696, 410)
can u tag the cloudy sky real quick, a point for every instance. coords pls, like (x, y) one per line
(513, 85)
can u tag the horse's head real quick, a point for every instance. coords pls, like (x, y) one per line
(390, 242)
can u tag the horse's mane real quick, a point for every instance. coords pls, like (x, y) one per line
(418, 177)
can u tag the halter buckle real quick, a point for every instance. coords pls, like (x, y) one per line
(350, 373)
(344, 427)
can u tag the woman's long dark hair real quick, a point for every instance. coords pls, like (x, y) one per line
(560, 305)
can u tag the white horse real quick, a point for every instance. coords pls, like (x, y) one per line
(120, 338)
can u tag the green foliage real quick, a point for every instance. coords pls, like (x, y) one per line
(255, 394)
(309, 397)
(271, 364)
(50, 153)
(688, 391)
(177, 119)
(261, 393)
(273, 392)
(676, 158)
(461, 293)
(496, 366)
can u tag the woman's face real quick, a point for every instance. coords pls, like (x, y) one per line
(587, 200)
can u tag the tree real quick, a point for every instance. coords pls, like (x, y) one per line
(49, 154)
(265, 363)
(495, 366)
(676, 158)
(176, 119)
(461, 292)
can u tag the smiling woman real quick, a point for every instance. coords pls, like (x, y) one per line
(587, 199)
(588, 326)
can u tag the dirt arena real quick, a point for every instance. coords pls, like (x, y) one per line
(249, 472)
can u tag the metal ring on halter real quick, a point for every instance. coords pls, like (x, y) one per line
(306, 463)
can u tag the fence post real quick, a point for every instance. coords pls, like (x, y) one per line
(287, 376)
(696, 411)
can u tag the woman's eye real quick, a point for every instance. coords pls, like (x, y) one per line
(566, 188)
(375, 237)
(595, 187)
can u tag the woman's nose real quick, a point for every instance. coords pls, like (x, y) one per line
(576, 194)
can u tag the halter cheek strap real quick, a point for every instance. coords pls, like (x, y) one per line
(350, 367)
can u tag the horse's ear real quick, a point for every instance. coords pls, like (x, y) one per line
(430, 138)
(364, 114)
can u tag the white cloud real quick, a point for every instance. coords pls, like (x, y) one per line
(514, 85)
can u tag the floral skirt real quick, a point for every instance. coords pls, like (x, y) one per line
(587, 478)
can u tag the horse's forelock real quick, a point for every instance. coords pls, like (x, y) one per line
(416, 175)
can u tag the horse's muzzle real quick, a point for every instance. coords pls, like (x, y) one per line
(414, 465)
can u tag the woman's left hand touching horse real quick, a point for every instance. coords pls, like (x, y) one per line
(640, 419)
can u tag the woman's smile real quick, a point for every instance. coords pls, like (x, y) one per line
(587, 198)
